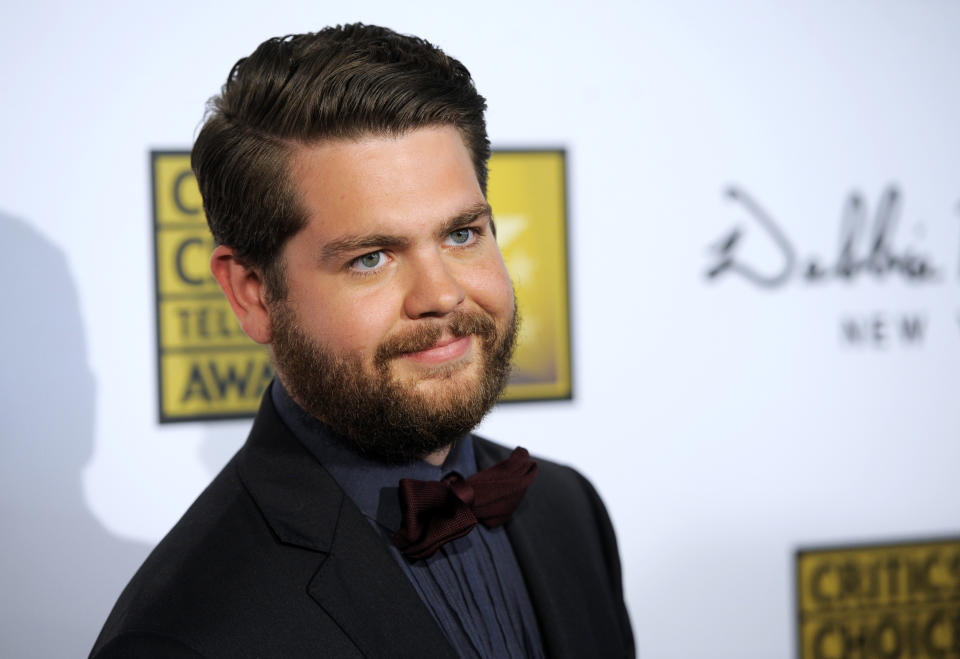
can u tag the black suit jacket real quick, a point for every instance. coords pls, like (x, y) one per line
(274, 560)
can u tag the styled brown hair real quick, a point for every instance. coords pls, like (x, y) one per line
(340, 82)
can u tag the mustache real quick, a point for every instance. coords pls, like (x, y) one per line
(460, 323)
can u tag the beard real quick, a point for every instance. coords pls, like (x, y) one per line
(382, 418)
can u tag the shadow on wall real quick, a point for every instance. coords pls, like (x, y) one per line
(220, 441)
(61, 570)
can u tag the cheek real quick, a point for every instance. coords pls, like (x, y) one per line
(492, 289)
(362, 327)
(349, 324)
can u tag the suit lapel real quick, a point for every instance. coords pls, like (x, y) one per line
(362, 588)
(358, 583)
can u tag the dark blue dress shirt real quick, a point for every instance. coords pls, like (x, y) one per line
(472, 585)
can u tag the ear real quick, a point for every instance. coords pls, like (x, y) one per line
(245, 290)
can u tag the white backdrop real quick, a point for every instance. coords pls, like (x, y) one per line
(725, 423)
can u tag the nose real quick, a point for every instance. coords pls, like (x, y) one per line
(432, 289)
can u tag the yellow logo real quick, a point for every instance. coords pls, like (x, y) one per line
(209, 369)
(883, 601)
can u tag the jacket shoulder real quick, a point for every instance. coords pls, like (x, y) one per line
(220, 584)
(230, 578)
(145, 645)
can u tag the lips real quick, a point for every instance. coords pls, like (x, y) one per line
(447, 348)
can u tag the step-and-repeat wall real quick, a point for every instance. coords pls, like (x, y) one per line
(734, 228)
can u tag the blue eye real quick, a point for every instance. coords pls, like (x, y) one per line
(461, 236)
(368, 261)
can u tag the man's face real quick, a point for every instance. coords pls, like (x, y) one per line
(400, 318)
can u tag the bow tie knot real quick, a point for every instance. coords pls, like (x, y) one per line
(460, 488)
(436, 512)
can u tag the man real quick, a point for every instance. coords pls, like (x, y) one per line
(343, 175)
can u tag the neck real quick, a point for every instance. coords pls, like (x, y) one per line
(438, 457)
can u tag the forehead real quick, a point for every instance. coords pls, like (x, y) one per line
(381, 182)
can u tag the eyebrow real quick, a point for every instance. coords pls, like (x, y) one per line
(337, 248)
(469, 216)
(349, 244)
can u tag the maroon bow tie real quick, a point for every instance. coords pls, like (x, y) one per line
(436, 512)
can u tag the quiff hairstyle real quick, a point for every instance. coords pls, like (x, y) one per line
(341, 82)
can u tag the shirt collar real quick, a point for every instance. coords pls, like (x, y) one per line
(373, 486)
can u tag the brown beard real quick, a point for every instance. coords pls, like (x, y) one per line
(381, 418)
